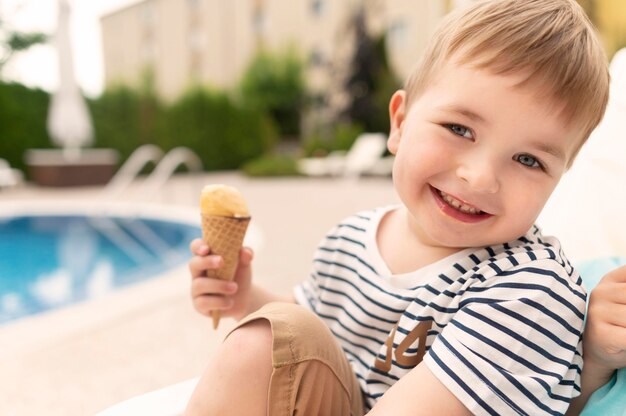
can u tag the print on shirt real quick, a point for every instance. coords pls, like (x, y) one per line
(403, 359)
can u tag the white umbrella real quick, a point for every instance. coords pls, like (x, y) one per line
(69, 123)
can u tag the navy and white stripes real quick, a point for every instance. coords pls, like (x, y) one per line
(500, 326)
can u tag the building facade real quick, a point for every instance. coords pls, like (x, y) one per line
(182, 42)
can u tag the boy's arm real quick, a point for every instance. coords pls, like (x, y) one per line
(604, 348)
(261, 296)
(419, 393)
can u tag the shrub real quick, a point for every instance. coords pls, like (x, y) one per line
(23, 113)
(125, 119)
(275, 84)
(222, 133)
(272, 166)
(341, 137)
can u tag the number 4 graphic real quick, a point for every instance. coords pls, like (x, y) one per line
(402, 359)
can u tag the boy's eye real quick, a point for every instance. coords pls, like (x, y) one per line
(528, 160)
(460, 130)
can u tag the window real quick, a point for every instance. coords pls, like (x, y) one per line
(398, 34)
(196, 39)
(316, 58)
(148, 51)
(317, 7)
(259, 21)
(147, 14)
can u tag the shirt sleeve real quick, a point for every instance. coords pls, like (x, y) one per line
(308, 292)
(514, 346)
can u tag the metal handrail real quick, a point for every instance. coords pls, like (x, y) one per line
(166, 167)
(129, 171)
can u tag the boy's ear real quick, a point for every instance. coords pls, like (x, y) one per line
(397, 113)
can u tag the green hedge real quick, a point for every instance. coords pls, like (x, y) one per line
(274, 82)
(124, 119)
(23, 113)
(272, 165)
(224, 133)
(340, 137)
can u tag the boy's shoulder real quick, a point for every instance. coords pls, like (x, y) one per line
(532, 246)
(532, 258)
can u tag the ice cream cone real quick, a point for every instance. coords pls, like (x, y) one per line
(225, 237)
(225, 219)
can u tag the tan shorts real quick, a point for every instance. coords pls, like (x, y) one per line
(311, 374)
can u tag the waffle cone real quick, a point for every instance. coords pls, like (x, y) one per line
(224, 235)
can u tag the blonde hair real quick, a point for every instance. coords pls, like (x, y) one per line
(552, 41)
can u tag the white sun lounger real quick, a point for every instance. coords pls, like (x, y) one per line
(9, 177)
(365, 156)
(168, 401)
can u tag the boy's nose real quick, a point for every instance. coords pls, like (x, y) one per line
(480, 175)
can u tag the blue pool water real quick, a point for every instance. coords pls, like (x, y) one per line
(48, 262)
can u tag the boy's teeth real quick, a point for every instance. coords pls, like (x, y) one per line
(458, 204)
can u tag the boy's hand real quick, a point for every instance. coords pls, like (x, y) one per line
(231, 298)
(604, 337)
(605, 331)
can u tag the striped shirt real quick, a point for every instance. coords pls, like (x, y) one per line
(499, 326)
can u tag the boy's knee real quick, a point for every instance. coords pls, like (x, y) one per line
(249, 346)
(242, 367)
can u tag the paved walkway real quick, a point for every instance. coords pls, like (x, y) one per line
(85, 358)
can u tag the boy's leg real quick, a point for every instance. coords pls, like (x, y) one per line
(236, 381)
(308, 371)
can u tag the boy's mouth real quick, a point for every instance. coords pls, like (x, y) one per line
(460, 210)
(459, 205)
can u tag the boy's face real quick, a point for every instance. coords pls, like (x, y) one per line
(476, 157)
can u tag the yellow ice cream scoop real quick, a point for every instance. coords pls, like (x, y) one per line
(223, 200)
(225, 219)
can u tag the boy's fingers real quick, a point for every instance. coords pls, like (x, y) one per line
(245, 256)
(212, 294)
(610, 292)
(199, 247)
(206, 286)
(207, 303)
(195, 243)
(617, 316)
(199, 264)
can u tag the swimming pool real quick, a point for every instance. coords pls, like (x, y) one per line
(53, 259)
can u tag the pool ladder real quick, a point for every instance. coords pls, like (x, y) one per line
(165, 167)
(136, 236)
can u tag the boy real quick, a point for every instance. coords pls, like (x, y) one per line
(453, 302)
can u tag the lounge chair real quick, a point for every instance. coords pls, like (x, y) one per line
(168, 401)
(9, 177)
(364, 157)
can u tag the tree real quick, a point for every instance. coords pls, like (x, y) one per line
(369, 82)
(13, 41)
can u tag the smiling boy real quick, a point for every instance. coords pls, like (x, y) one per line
(453, 302)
